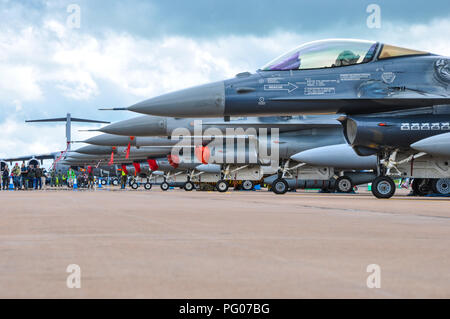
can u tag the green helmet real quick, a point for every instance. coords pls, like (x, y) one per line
(346, 57)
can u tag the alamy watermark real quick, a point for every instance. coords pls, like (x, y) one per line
(374, 279)
(73, 20)
(229, 145)
(373, 21)
(74, 279)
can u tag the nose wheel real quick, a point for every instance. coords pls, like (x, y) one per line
(441, 186)
(148, 186)
(247, 185)
(344, 184)
(188, 186)
(222, 186)
(280, 186)
(134, 185)
(164, 186)
(383, 187)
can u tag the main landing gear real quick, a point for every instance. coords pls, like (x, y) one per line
(383, 187)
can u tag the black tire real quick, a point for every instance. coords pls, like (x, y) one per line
(383, 187)
(280, 186)
(115, 182)
(188, 186)
(134, 186)
(441, 186)
(247, 185)
(222, 186)
(419, 187)
(344, 184)
(103, 182)
(148, 186)
(165, 186)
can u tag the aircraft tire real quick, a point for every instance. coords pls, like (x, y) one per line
(441, 186)
(383, 187)
(222, 186)
(344, 184)
(418, 187)
(247, 185)
(280, 186)
(148, 186)
(134, 186)
(165, 186)
(188, 186)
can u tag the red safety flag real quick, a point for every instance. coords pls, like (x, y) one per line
(137, 168)
(128, 151)
(111, 161)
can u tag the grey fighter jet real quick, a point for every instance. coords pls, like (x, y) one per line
(327, 76)
(351, 77)
(297, 135)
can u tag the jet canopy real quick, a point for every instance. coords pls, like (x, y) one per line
(324, 54)
(333, 53)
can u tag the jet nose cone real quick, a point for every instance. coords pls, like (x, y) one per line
(138, 126)
(200, 101)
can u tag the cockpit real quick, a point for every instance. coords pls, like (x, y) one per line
(333, 53)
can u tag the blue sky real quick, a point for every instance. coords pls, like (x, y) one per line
(126, 51)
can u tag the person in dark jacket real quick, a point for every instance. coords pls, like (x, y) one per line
(5, 177)
(91, 183)
(38, 177)
(24, 176)
(32, 177)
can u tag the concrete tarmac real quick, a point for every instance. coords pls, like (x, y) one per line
(177, 244)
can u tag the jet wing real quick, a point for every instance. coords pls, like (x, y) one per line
(29, 157)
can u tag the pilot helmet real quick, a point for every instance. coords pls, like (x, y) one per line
(346, 57)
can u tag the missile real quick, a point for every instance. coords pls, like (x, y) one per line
(337, 156)
(209, 168)
(438, 145)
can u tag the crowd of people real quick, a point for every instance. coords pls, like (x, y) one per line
(33, 177)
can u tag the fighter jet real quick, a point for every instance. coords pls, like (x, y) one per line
(351, 77)
(297, 135)
(327, 76)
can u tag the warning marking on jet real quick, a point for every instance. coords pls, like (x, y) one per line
(281, 87)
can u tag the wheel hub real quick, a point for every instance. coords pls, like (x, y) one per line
(384, 187)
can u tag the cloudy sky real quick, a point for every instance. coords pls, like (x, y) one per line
(126, 51)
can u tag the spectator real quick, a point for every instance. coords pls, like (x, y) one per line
(24, 176)
(16, 176)
(5, 177)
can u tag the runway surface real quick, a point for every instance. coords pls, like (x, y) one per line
(177, 244)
